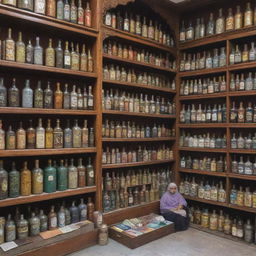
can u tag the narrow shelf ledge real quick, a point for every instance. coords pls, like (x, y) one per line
(218, 174)
(138, 139)
(216, 150)
(202, 72)
(204, 96)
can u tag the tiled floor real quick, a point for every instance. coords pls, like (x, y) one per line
(189, 243)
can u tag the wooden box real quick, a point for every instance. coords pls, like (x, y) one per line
(135, 242)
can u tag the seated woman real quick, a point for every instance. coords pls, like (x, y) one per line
(173, 208)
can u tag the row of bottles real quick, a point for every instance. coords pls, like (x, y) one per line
(115, 73)
(52, 178)
(243, 114)
(46, 138)
(45, 98)
(242, 82)
(118, 129)
(52, 57)
(223, 223)
(148, 187)
(203, 190)
(243, 197)
(206, 140)
(243, 142)
(203, 86)
(239, 54)
(243, 167)
(142, 26)
(130, 102)
(124, 155)
(203, 60)
(135, 178)
(219, 24)
(208, 164)
(207, 114)
(114, 48)
(31, 223)
(60, 9)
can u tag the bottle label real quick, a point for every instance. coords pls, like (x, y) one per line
(38, 56)
(10, 50)
(50, 178)
(53, 222)
(40, 6)
(67, 60)
(40, 140)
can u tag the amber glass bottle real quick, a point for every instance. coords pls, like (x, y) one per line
(25, 180)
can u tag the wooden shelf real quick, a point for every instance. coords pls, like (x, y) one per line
(141, 86)
(202, 72)
(205, 201)
(218, 174)
(245, 65)
(243, 151)
(242, 176)
(229, 35)
(44, 111)
(242, 93)
(45, 152)
(203, 96)
(138, 139)
(125, 165)
(137, 63)
(135, 211)
(46, 196)
(45, 69)
(242, 125)
(203, 125)
(243, 208)
(216, 150)
(116, 112)
(138, 39)
(47, 21)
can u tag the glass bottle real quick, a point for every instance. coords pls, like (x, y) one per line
(21, 138)
(37, 179)
(40, 6)
(48, 96)
(83, 60)
(22, 228)
(52, 219)
(3, 182)
(88, 15)
(220, 23)
(62, 177)
(67, 136)
(38, 96)
(82, 210)
(31, 136)
(248, 232)
(27, 95)
(73, 98)
(48, 135)
(13, 181)
(61, 217)
(74, 212)
(38, 53)
(34, 225)
(238, 18)
(66, 98)
(89, 173)
(72, 175)
(81, 173)
(3, 94)
(20, 49)
(13, 95)
(10, 229)
(67, 56)
(57, 136)
(77, 135)
(230, 20)
(10, 139)
(25, 180)
(60, 10)
(59, 55)
(248, 15)
(9, 47)
(210, 26)
(49, 178)
(40, 135)
(73, 12)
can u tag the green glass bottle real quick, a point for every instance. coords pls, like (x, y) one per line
(14, 182)
(49, 178)
(3, 182)
(62, 177)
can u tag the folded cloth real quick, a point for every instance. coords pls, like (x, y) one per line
(180, 212)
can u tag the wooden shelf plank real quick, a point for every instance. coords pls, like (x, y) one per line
(243, 151)
(138, 39)
(242, 176)
(40, 68)
(137, 139)
(205, 201)
(124, 165)
(46, 196)
(45, 152)
(116, 112)
(137, 63)
(242, 125)
(243, 208)
(216, 150)
(203, 125)
(141, 86)
(218, 174)
(42, 111)
(203, 96)
(46, 21)
(229, 35)
(242, 93)
(202, 72)
(240, 66)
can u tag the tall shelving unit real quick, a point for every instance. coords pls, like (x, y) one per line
(225, 39)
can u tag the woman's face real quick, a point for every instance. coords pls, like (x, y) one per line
(172, 190)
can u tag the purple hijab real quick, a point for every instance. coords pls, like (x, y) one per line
(170, 201)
